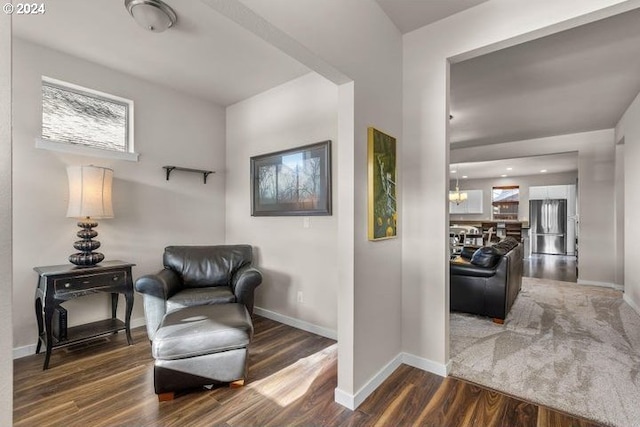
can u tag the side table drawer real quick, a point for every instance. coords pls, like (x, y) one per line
(89, 282)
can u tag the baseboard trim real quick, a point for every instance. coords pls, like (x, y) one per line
(297, 323)
(28, 350)
(353, 401)
(426, 364)
(601, 284)
(631, 303)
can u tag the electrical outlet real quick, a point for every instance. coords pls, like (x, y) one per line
(300, 300)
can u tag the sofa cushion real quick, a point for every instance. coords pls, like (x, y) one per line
(468, 251)
(189, 297)
(486, 256)
(207, 329)
(505, 245)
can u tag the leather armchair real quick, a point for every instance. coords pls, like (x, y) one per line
(198, 275)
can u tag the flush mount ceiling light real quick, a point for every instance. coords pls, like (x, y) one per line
(152, 15)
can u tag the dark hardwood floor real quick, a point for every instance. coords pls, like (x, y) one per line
(291, 381)
(552, 267)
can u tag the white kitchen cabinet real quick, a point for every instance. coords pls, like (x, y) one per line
(557, 191)
(549, 192)
(537, 193)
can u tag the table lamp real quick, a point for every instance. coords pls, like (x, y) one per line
(89, 199)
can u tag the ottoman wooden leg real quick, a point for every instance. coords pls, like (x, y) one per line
(236, 383)
(163, 397)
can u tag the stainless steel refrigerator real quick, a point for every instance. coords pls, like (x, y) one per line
(548, 222)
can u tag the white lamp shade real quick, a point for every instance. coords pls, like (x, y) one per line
(90, 192)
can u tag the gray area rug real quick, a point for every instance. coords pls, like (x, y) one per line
(570, 347)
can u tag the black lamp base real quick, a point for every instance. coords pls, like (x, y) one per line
(86, 257)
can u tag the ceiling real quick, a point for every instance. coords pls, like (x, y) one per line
(409, 15)
(524, 166)
(575, 81)
(204, 54)
(578, 80)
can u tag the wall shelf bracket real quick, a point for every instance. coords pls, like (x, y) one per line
(205, 173)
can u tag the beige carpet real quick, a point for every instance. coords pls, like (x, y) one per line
(571, 347)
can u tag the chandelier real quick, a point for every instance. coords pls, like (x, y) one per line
(457, 197)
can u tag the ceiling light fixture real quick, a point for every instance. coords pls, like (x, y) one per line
(543, 171)
(509, 169)
(152, 15)
(464, 177)
(504, 175)
(456, 196)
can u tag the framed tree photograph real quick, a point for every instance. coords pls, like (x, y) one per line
(292, 182)
(381, 165)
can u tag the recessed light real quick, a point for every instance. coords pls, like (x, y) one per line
(543, 171)
(454, 171)
(504, 176)
(509, 169)
(464, 176)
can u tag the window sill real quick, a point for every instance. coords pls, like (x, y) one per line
(62, 147)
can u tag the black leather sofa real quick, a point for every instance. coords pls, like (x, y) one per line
(486, 281)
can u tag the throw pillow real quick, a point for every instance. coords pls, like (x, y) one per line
(486, 256)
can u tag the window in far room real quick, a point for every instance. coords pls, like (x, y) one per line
(505, 202)
(85, 121)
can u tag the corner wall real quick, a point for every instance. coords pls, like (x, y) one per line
(6, 333)
(356, 46)
(150, 212)
(427, 51)
(629, 129)
(292, 258)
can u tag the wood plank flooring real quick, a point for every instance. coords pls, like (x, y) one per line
(292, 378)
(552, 267)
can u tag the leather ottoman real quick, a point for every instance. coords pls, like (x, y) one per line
(201, 345)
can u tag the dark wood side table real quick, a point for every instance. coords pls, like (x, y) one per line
(60, 283)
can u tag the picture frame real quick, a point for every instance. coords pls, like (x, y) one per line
(382, 178)
(292, 182)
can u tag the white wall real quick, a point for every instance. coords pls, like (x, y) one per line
(484, 28)
(6, 363)
(524, 182)
(292, 258)
(620, 215)
(150, 212)
(358, 40)
(354, 39)
(629, 129)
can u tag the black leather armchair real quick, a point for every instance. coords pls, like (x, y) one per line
(198, 275)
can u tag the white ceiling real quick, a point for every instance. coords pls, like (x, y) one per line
(524, 166)
(204, 54)
(575, 81)
(409, 15)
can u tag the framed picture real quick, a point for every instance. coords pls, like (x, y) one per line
(381, 162)
(292, 182)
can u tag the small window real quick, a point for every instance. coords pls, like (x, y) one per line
(505, 202)
(75, 118)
